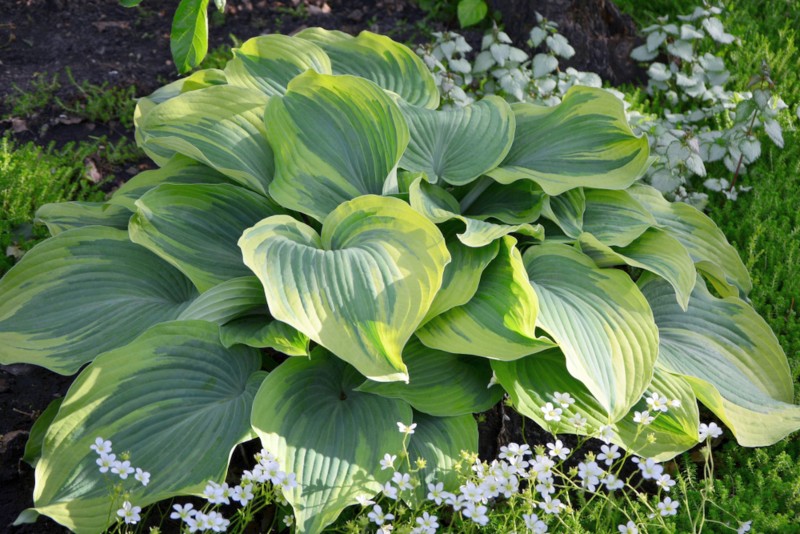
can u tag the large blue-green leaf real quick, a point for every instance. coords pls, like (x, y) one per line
(441, 383)
(81, 293)
(175, 399)
(329, 435)
(601, 322)
(335, 138)
(729, 355)
(499, 322)
(444, 143)
(262, 331)
(269, 62)
(566, 211)
(361, 288)
(583, 142)
(229, 300)
(614, 217)
(516, 203)
(195, 227)
(60, 216)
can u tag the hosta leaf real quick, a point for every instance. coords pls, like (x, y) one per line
(583, 142)
(441, 383)
(60, 216)
(221, 126)
(174, 398)
(707, 245)
(600, 320)
(33, 447)
(195, 227)
(269, 62)
(329, 435)
(516, 203)
(655, 251)
(196, 80)
(81, 293)
(463, 274)
(531, 383)
(566, 211)
(335, 138)
(361, 288)
(443, 143)
(391, 65)
(262, 331)
(321, 36)
(440, 206)
(499, 321)
(614, 217)
(731, 358)
(227, 301)
(439, 441)
(179, 170)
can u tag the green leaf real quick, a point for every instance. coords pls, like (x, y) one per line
(439, 441)
(731, 358)
(269, 62)
(197, 80)
(195, 228)
(471, 12)
(583, 142)
(441, 383)
(361, 288)
(655, 251)
(227, 301)
(189, 37)
(391, 65)
(707, 245)
(444, 143)
(60, 216)
(174, 398)
(601, 322)
(335, 138)
(129, 3)
(499, 321)
(329, 435)
(532, 382)
(221, 126)
(321, 36)
(440, 206)
(566, 211)
(261, 331)
(33, 447)
(614, 217)
(81, 293)
(517, 203)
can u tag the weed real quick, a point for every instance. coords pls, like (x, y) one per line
(38, 96)
(101, 103)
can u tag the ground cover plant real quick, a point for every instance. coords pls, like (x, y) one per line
(324, 219)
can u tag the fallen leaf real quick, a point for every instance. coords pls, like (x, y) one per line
(18, 125)
(103, 25)
(92, 174)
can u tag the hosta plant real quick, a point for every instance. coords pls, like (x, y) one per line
(322, 254)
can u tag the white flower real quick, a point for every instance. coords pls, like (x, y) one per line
(546, 488)
(243, 494)
(590, 473)
(216, 493)
(657, 403)
(551, 413)
(264, 457)
(744, 527)
(429, 523)
(550, 506)
(101, 446)
(129, 513)
(665, 482)
(710, 430)
(533, 523)
(123, 469)
(363, 500)
(564, 399)
(513, 450)
(217, 522)
(288, 481)
(378, 517)
(406, 429)
(402, 481)
(471, 492)
(650, 469)
(643, 418)
(385, 529)
(558, 449)
(577, 420)
(613, 483)
(288, 520)
(142, 476)
(668, 507)
(675, 403)
(436, 492)
(476, 512)
(106, 461)
(609, 454)
(629, 528)
(388, 461)
(605, 433)
(182, 512)
(390, 491)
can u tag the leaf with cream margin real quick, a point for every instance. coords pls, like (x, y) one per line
(516, 203)
(84, 292)
(329, 435)
(440, 206)
(60, 216)
(360, 289)
(321, 36)
(335, 138)
(227, 301)
(499, 321)
(583, 142)
(532, 382)
(262, 331)
(730, 356)
(566, 211)
(444, 144)
(221, 126)
(174, 381)
(269, 62)
(600, 320)
(655, 251)
(614, 217)
(707, 245)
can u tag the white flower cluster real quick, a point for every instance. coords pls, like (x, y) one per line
(107, 461)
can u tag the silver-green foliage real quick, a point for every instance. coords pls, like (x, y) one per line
(311, 193)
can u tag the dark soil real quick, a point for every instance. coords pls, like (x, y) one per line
(100, 42)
